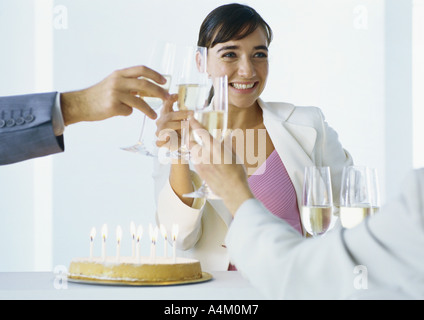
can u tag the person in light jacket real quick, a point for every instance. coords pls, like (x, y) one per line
(380, 258)
(286, 139)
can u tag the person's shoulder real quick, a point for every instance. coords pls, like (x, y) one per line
(293, 113)
(277, 106)
(280, 110)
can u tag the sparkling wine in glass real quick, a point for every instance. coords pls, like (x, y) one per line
(359, 195)
(213, 116)
(162, 59)
(193, 86)
(317, 207)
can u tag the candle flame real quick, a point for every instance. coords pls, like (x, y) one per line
(153, 232)
(132, 229)
(175, 230)
(104, 232)
(92, 234)
(139, 232)
(163, 231)
(118, 234)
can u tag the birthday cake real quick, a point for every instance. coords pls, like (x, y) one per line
(129, 270)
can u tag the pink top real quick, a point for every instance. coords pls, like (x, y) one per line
(275, 190)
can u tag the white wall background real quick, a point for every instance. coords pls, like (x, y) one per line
(417, 82)
(328, 53)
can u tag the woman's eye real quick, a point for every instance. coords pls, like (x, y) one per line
(229, 55)
(261, 55)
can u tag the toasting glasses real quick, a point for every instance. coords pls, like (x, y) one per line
(161, 60)
(213, 116)
(193, 86)
(359, 195)
(317, 207)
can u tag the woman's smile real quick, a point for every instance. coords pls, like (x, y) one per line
(244, 87)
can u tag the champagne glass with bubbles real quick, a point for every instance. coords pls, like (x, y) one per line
(162, 58)
(213, 115)
(317, 208)
(193, 86)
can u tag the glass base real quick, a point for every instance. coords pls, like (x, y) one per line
(203, 192)
(179, 154)
(140, 148)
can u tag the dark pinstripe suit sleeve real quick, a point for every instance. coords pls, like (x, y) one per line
(26, 129)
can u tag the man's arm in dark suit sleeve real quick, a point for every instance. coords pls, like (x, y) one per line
(29, 125)
(26, 127)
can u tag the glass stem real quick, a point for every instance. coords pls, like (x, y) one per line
(184, 136)
(140, 139)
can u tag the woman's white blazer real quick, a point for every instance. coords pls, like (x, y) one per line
(301, 137)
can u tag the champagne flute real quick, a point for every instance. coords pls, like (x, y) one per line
(162, 59)
(214, 118)
(359, 195)
(317, 207)
(193, 85)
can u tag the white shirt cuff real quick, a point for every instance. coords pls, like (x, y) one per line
(57, 118)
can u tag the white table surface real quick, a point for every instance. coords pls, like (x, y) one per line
(225, 285)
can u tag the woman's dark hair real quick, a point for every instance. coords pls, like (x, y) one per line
(230, 22)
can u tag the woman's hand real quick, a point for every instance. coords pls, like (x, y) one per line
(169, 136)
(224, 174)
(169, 124)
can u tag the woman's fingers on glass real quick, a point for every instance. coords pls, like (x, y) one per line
(163, 138)
(172, 120)
(180, 115)
(202, 139)
(169, 126)
(169, 103)
(168, 138)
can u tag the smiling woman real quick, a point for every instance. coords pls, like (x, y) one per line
(221, 32)
(245, 62)
(237, 40)
(334, 59)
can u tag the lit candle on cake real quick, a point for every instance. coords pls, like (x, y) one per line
(165, 238)
(174, 241)
(104, 236)
(153, 236)
(92, 235)
(118, 241)
(132, 231)
(139, 234)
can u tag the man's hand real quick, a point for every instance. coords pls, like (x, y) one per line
(115, 95)
(223, 174)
